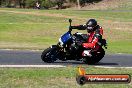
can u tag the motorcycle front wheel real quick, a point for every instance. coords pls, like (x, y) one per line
(49, 55)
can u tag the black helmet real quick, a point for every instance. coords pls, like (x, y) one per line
(91, 24)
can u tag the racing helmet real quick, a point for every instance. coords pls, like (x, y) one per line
(91, 24)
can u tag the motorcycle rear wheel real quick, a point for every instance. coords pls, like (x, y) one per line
(95, 58)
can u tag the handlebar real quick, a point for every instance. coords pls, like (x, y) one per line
(70, 21)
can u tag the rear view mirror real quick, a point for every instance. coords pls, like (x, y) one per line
(70, 20)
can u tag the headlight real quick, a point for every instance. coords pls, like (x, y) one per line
(61, 43)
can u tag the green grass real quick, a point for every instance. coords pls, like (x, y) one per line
(120, 47)
(38, 29)
(7, 17)
(54, 77)
(105, 15)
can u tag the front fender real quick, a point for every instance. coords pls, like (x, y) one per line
(54, 46)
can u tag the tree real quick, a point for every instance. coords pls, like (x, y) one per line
(0, 2)
(51, 3)
(83, 2)
(78, 3)
(60, 3)
(22, 3)
(47, 3)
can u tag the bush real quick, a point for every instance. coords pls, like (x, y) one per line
(73, 1)
(30, 3)
(83, 2)
(47, 4)
(60, 3)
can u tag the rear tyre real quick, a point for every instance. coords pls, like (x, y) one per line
(49, 55)
(96, 57)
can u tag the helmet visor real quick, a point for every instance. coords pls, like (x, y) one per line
(89, 28)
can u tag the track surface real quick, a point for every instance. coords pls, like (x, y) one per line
(11, 57)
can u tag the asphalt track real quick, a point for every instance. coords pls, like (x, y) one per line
(16, 57)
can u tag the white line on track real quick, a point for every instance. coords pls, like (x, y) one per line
(112, 67)
(21, 50)
(31, 66)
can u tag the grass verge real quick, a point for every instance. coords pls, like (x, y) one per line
(54, 77)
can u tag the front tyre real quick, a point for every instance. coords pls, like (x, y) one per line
(49, 55)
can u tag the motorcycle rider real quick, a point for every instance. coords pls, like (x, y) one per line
(95, 33)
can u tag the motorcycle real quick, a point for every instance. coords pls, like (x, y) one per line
(70, 47)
